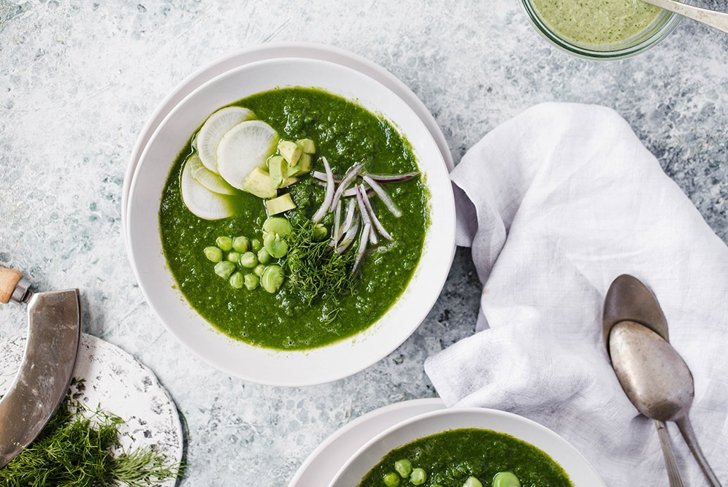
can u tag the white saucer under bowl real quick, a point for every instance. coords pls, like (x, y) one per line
(262, 365)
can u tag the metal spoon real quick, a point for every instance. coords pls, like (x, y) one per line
(719, 20)
(659, 383)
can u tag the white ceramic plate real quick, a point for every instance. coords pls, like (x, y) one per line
(324, 462)
(582, 474)
(119, 384)
(262, 365)
(272, 51)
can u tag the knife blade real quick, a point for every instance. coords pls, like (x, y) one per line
(54, 332)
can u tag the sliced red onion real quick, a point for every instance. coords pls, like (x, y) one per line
(321, 176)
(362, 209)
(363, 241)
(329, 197)
(350, 175)
(349, 219)
(383, 196)
(373, 236)
(393, 178)
(337, 225)
(375, 221)
(348, 238)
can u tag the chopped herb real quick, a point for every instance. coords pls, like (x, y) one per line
(78, 451)
(315, 271)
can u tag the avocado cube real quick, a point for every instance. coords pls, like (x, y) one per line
(278, 170)
(288, 182)
(307, 146)
(290, 151)
(259, 183)
(303, 166)
(279, 204)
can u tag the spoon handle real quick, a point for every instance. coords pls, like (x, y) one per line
(719, 20)
(687, 431)
(672, 471)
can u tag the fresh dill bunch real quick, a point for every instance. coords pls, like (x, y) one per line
(78, 451)
(315, 271)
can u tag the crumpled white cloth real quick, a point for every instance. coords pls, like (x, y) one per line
(557, 203)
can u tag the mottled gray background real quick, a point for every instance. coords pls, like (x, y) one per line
(78, 79)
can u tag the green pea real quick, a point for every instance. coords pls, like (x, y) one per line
(272, 278)
(225, 243)
(320, 232)
(213, 254)
(241, 244)
(233, 257)
(256, 244)
(277, 224)
(249, 260)
(418, 476)
(263, 256)
(236, 280)
(224, 269)
(258, 271)
(403, 468)
(391, 479)
(251, 281)
(473, 482)
(275, 245)
(505, 479)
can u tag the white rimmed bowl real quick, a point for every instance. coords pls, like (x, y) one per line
(581, 473)
(263, 365)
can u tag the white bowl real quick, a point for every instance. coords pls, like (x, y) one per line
(263, 365)
(582, 474)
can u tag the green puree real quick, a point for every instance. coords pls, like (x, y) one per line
(596, 22)
(451, 457)
(345, 133)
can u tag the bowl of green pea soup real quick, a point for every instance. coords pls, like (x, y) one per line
(291, 221)
(467, 448)
(600, 29)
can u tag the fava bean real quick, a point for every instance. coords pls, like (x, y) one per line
(418, 476)
(403, 468)
(251, 281)
(472, 482)
(236, 280)
(213, 254)
(391, 479)
(256, 244)
(241, 244)
(506, 479)
(233, 257)
(263, 256)
(272, 278)
(224, 269)
(258, 271)
(249, 260)
(225, 243)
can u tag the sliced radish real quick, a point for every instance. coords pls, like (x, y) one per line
(213, 130)
(207, 178)
(201, 201)
(245, 147)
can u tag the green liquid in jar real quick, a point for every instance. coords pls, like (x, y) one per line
(596, 22)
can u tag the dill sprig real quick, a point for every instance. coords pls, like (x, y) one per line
(78, 451)
(315, 271)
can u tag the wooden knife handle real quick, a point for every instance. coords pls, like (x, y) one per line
(9, 279)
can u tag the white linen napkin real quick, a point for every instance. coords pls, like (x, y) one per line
(557, 203)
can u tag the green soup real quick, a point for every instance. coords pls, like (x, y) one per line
(450, 458)
(345, 133)
(596, 22)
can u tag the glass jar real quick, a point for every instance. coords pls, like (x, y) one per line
(662, 25)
